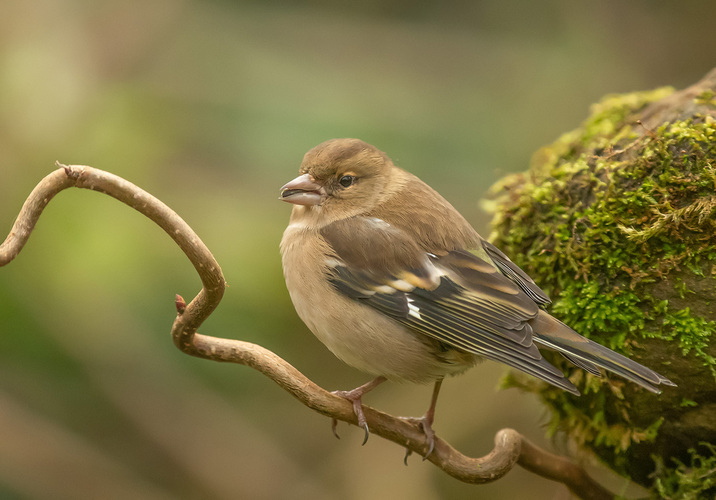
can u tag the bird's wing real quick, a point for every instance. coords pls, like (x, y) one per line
(513, 271)
(455, 297)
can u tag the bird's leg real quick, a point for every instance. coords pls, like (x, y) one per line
(355, 396)
(426, 422)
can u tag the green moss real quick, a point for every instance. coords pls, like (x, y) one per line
(689, 482)
(707, 97)
(693, 334)
(618, 224)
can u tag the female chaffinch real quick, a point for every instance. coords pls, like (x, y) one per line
(396, 283)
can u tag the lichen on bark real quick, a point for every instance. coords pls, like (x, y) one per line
(617, 222)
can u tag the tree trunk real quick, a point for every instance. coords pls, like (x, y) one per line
(617, 221)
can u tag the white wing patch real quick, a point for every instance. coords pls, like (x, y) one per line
(413, 310)
(333, 262)
(402, 285)
(377, 223)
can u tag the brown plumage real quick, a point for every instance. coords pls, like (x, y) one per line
(395, 282)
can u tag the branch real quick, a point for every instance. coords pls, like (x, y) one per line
(510, 447)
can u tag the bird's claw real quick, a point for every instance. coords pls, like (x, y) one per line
(367, 434)
(408, 452)
(426, 426)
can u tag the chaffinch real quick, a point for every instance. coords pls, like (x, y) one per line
(396, 283)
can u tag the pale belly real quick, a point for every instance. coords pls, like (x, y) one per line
(356, 333)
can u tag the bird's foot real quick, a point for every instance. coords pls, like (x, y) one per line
(426, 425)
(355, 397)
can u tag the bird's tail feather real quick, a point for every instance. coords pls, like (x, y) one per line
(588, 355)
(584, 365)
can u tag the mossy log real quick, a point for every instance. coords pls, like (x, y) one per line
(617, 222)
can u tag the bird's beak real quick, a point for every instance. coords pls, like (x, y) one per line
(303, 190)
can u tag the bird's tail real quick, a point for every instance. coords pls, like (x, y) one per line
(588, 355)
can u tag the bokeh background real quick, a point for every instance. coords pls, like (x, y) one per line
(210, 106)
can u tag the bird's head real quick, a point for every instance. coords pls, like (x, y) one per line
(340, 178)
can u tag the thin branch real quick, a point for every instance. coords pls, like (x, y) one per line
(511, 447)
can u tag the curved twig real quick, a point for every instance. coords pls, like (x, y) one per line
(510, 446)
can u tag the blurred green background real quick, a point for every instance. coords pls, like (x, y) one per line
(210, 106)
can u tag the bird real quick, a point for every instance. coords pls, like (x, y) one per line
(396, 283)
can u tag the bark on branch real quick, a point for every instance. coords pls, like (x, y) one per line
(511, 447)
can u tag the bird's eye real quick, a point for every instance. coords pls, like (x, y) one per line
(346, 180)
